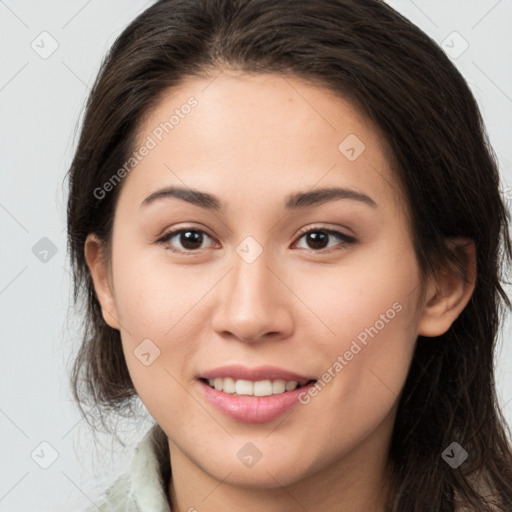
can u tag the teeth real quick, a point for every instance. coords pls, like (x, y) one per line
(290, 386)
(278, 386)
(262, 388)
(243, 387)
(248, 387)
(228, 386)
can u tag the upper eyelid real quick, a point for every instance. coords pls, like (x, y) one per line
(173, 232)
(337, 230)
(301, 232)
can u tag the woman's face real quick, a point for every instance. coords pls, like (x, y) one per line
(245, 286)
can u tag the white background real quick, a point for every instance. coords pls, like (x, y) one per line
(41, 101)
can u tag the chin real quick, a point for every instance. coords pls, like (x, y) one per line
(273, 470)
(264, 477)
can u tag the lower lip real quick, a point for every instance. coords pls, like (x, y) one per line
(253, 409)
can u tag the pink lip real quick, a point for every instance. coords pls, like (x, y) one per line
(255, 374)
(252, 409)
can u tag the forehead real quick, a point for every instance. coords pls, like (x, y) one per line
(239, 133)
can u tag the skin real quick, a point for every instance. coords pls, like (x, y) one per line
(251, 141)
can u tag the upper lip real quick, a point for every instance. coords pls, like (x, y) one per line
(255, 374)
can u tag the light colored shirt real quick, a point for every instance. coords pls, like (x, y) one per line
(144, 487)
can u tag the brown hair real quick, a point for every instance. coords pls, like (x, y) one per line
(368, 53)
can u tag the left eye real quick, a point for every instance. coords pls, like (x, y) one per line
(319, 236)
(192, 239)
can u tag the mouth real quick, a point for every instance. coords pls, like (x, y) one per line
(253, 395)
(259, 388)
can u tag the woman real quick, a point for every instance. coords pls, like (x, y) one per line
(285, 221)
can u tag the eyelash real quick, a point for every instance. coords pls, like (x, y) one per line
(348, 240)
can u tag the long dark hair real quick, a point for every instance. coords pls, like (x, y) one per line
(402, 81)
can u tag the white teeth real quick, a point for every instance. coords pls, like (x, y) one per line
(244, 387)
(229, 385)
(290, 386)
(278, 386)
(263, 388)
(248, 387)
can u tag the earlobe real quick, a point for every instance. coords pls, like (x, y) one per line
(98, 269)
(448, 293)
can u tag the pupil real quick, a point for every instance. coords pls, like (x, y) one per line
(318, 240)
(188, 241)
(193, 239)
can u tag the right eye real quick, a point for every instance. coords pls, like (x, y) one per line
(191, 239)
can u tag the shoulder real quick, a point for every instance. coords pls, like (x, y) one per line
(143, 487)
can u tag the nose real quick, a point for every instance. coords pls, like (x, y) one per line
(253, 302)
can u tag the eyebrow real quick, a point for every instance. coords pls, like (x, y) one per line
(293, 201)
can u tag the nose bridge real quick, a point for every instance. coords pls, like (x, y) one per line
(251, 279)
(251, 303)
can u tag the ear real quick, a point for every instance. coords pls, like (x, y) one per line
(448, 293)
(101, 278)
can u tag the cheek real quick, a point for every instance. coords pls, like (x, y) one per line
(369, 328)
(372, 292)
(156, 308)
(364, 367)
(154, 297)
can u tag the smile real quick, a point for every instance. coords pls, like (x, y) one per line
(259, 388)
(252, 395)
